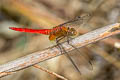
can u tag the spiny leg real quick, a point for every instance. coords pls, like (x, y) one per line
(72, 62)
(68, 41)
(58, 44)
(62, 48)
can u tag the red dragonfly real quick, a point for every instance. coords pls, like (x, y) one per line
(58, 33)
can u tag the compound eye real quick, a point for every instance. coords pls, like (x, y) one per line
(73, 31)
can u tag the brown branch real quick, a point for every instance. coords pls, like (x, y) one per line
(40, 56)
(51, 73)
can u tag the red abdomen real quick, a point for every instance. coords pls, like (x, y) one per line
(40, 31)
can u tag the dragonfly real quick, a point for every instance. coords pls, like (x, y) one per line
(67, 31)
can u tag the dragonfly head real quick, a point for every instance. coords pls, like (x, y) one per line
(72, 32)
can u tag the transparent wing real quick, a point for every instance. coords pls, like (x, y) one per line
(82, 59)
(76, 22)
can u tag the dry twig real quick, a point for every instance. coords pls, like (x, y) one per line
(51, 73)
(40, 56)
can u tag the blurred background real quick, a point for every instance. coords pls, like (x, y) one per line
(45, 14)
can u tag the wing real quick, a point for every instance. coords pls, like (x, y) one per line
(76, 22)
(82, 59)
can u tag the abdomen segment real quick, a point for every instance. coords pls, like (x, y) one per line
(40, 31)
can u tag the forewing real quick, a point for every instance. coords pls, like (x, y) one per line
(76, 22)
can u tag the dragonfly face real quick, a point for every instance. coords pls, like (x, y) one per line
(72, 32)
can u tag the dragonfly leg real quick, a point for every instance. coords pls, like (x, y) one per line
(58, 43)
(67, 55)
(68, 41)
